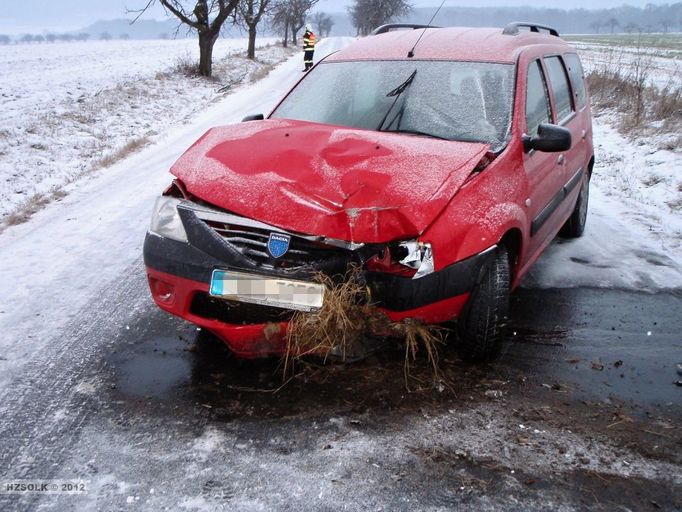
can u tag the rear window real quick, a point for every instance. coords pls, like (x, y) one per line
(575, 70)
(537, 99)
(558, 80)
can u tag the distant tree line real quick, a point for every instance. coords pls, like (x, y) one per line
(651, 18)
(366, 15)
(64, 38)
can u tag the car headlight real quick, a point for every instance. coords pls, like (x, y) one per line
(166, 221)
(419, 256)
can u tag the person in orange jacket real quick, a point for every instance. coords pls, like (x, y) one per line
(308, 47)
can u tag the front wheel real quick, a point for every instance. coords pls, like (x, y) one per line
(575, 225)
(482, 328)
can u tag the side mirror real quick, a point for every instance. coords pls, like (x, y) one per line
(254, 117)
(550, 139)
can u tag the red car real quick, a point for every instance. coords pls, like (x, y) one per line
(442, 161)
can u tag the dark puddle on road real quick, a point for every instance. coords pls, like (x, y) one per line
(155, 374)
(186, 369)
(586, 344)
(610, 346)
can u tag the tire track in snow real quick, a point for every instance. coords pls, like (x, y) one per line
(44, 410)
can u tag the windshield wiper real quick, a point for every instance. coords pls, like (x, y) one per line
(397, 93)
(416, 132)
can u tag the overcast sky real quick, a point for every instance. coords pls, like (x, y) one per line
(20, 16)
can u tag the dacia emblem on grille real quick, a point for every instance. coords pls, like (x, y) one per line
(278, 244)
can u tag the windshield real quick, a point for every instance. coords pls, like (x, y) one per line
(465, 101)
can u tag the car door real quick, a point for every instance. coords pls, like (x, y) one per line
(543, 170)
(572, 162)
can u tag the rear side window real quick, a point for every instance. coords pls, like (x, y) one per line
(558, 80)
(575, 71)
(537, 99)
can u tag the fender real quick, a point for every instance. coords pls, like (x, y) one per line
(480, 215)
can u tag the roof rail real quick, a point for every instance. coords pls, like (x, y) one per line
(387, 28)
(513, 28)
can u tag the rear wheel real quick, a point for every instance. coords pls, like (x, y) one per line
(575, 225)
(481, 330)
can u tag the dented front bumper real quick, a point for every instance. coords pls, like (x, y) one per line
(179, 275)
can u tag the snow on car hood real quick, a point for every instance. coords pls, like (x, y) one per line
(349, 184)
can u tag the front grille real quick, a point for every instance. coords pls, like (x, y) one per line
(252, 243)
(234, 312)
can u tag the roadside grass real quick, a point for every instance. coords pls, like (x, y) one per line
(676, 204)
(653, 180)
(31, 206)
(622, 83)
(128, 149)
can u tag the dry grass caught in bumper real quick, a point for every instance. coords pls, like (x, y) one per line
(347, 320)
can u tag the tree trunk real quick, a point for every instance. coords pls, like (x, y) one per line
(294, 35)
(251, 52)
(285, 43)
(207, 40)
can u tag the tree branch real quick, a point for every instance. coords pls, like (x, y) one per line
(179, 13)
(139, 12)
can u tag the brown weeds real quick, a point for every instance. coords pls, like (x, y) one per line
(130, 147)
(347, 319)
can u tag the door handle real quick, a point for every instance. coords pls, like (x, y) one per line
(561, 160)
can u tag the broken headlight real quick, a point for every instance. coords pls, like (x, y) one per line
(419, 257)
(166, 221)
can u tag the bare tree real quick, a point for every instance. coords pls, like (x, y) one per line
(39, 38)
(82, 37)
(366, 15)
(27, 38)
(596, 26)
(124, 37)
(4, 39)
(288, 17)
(279, 20)
(105, 36)
(612, 23)
(51, 38)
(666, 25)
(323, 23)
(251, 13)
(299, 10)
(207, 18)
(632, 27)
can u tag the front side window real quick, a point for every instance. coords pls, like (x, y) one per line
(465, 101)
(538, 110)
(561, 90)
(575, 70)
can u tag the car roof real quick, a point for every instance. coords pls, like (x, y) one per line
(450, 43)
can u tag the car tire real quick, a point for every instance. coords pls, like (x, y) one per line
(575, 225)
(481, 331)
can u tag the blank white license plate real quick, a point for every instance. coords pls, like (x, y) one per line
(267, 290)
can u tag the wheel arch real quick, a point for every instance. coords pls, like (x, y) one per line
(513, 242)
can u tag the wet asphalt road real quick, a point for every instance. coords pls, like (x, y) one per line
(158, 415)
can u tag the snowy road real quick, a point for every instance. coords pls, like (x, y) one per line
(96, 383)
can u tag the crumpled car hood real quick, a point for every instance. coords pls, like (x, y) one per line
(348, 184)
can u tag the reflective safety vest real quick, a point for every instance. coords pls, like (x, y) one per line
(308, 41)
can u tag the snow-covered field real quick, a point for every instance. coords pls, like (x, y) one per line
(663, 65)
(72, 108)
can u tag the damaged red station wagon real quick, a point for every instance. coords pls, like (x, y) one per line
(441, 161)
